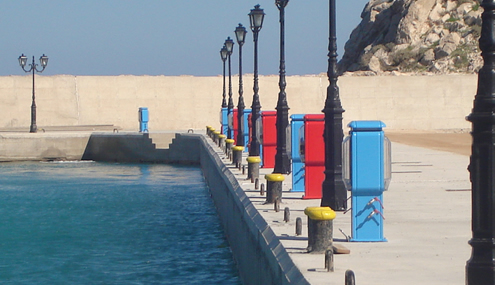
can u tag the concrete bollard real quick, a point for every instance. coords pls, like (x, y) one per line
(329, 264)
(350, 278)
(286, 214)
(221, 140)
(228, 146)
(237, 154)
(274, 187)
(320, 228)
(253, 167)
(298, 226)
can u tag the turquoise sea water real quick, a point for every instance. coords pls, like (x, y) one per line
(96, 223)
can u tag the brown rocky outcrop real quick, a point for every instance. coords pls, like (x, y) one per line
(415, 36)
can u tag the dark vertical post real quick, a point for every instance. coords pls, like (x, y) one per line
(333, 190)
(480, 268)
(229, 44)
(223, 55)
(282, 157)
(33, 128)
(240, 33)
(254, 148)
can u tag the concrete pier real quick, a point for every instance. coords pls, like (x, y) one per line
(427, 211)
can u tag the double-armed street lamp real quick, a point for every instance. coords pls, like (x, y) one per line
(256, 17)
(43, 62)
(240, 34)
(334, 194)
(282, 157)
(229, 45)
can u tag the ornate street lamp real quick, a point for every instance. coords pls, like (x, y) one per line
(256, 17)
(240, 34)
(22, 62)
(480, 268)
(282, 157)
(334, 194)
(223, 55)
(229, 45)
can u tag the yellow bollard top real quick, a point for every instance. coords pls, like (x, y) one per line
(320, 213)
(229, 141)
(237, 148)
(216, 133)
(274, 177)
(222, 136)
(253, 159)
(208, 127)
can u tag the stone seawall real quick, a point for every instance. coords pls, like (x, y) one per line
(186, 102)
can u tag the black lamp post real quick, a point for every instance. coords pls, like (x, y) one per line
(229, 45)
(282, 157)
(240, 34)
(333, 190)
(223, 55)
(22, 62)
(480, 268)
(256, 22)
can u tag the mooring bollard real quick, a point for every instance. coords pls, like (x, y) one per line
(253, 167)
(221, 140)
(350, 278)
(286, 214)
(228, 146)
(329, 264)
(208, 131)
(215, 136)
(298, 226)
(320, 228)
(237, 154)
(274, 187)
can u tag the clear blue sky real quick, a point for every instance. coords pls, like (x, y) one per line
(169, 37)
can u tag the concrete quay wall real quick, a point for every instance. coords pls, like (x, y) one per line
(258, 252)
(186, 102)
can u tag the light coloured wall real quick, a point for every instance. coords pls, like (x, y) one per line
(183, 102)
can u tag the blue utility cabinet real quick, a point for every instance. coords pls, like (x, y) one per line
(224, 120)
(366, 172)
(246, 129)
(297, 129)
(143, 119)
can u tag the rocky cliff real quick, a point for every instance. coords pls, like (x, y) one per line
(415, 36)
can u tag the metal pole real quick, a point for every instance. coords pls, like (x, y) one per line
(33, 128)
(240, 105)
(282, 157)
(224, 102)
(254, 148)
(333, 190)
(480, 268)
(230, 106)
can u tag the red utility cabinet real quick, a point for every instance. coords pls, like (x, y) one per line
(235, 126)
(314, 155)
(269, 139)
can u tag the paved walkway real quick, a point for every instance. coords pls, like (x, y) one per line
(427, 211)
